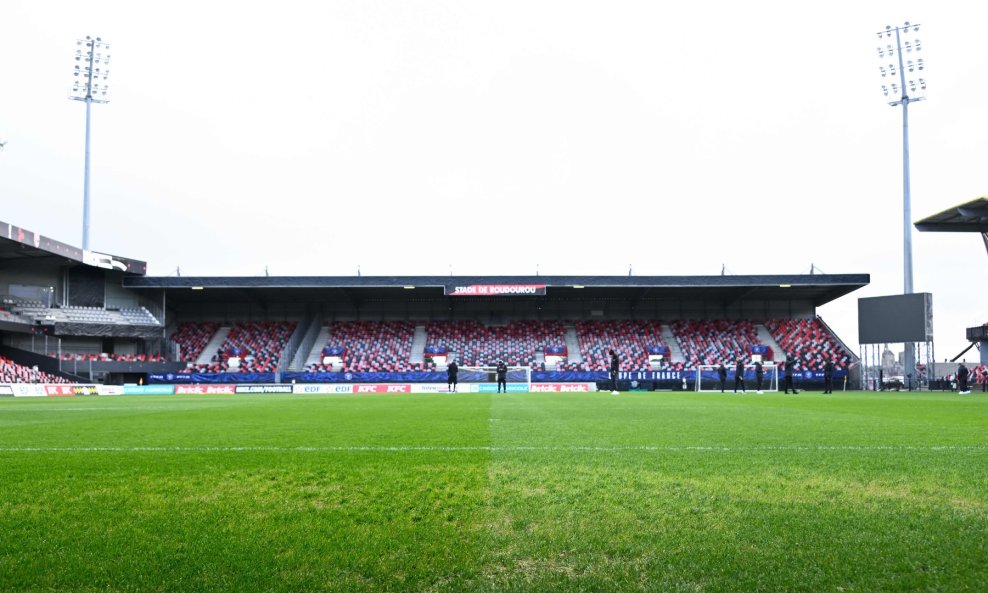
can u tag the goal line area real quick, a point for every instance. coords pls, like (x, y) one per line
(709, 378)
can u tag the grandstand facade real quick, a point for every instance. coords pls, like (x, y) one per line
(66, 314)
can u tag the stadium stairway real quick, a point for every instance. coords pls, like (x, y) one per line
(675, 354)
(214, 343)
(417, 355)
(572, 342)
(310, 337)
(765, 338)
(314, 355)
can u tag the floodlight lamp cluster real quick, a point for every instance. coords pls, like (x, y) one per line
(889, 30)
(91, 70)
(900, 58)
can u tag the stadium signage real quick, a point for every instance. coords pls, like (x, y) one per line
(809, 375)
(187, 378)
(383, 388)
(206, 389)
(496, 290)
(23, 390)
(562, 388)
(322, 389)
(6, 390)
(430, 388)
(264, 389)
(59, 390)
(492, 388)
(149, 389)
(85, 390)
(649, 375)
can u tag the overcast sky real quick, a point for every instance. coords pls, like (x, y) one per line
(500, 137)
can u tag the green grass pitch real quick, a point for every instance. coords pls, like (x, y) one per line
(528, 492)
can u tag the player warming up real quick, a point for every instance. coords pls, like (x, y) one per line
(739, 376)
(451, 372)
(615, 365)
(502, 376)
(962, 374)
(790, 363)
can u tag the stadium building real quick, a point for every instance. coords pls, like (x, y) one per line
(74, 316)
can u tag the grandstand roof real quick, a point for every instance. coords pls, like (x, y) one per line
(19, 245)
(815, 288)
(969, 217)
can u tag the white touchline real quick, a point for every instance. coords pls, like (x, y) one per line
(498, 449)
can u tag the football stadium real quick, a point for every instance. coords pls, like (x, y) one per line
(496, 430)
(301, 433)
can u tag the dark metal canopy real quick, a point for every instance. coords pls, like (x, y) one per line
(20, 247)
(969, 217)
(818, 289)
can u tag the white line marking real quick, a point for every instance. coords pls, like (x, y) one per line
(495, 449)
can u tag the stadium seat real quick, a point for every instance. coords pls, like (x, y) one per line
(810, 341)
(371, 346)
(629, 339)
(478, 345)
(713, 341)
(11, 372)
(260, 343)
(192, 338)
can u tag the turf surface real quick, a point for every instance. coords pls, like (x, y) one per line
(526, 492)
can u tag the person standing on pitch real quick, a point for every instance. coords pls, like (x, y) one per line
(451, 372)
(828, 376)
(790, 363)
(615, 366)
(962, 373)
(739, 375)
(502, 376)
(759, 375)
(722, 375)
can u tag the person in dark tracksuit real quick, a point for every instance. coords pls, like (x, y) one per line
(615, 366)
(790, 363)
(828, 376)
(962, 374)
(502, 376)
(739, 376)
(451, 372)
(759, 375)
(722, 375)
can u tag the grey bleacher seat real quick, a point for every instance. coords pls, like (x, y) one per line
(138, 316)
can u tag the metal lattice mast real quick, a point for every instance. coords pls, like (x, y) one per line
(902, 83)
(89, 85)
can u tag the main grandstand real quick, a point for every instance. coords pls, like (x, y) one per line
(80, 316)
